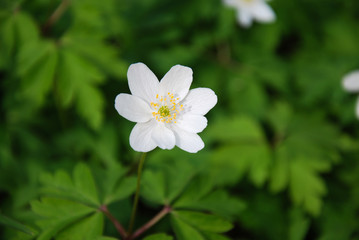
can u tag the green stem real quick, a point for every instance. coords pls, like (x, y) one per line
(134, 209)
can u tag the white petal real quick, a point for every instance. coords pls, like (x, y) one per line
(163, 137)
(142, 82)
(244, 18)
(133, 108)
(351, 81)
(192, 123)
(262, 12)
(141, 136)
(176, 81)
(189, 142)
(231, 3)
(200, 101)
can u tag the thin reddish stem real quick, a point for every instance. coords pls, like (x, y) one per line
(56, 15)
(115, 222)
(166, 209)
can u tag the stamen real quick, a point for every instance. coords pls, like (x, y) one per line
(166, 111)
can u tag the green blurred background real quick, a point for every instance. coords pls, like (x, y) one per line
(283, 137)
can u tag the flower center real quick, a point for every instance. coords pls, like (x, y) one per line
(166, 108)
(164, 111)
(247, 1)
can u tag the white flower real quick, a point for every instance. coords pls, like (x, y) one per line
(351, 84)
(167, 112)
(249, 10)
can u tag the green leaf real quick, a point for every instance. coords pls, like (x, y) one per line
(37, 64)
(245, 140)
(76, 82)
(106, 238)
(158, 236)
(26, 28)
(204, 222)
(90, 96)
(241, 128)
(183, 230)
(305, 147)
(306, 187)
(72, 211)
(81, 189)
(16, 31)
(178, 175)
(84, 181)
(200, 195)
(215, 236)
(125, 188)
(166, 181)
(8, 222)
(280, 173)
(339, 222)
(107, 61)
(7, 39)
(153, 186)
(58, 214)
(88, 228)
(299, 225)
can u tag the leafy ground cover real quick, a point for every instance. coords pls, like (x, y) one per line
(281, 154)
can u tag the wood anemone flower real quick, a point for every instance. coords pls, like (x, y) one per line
(167, 112)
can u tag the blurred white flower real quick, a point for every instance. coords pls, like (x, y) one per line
(249, 10)
(167, 112)
(351, 84)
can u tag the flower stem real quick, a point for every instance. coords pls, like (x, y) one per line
(56, 15)
(135, 203)
(117, 225)
(166, 209)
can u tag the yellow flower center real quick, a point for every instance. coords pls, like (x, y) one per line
(166, 108)
(164, 111)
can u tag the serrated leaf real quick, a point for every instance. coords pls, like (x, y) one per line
(90, 104)
(280, 172)
(82, 189)
(204, 222)
(153, 186)
(76, 82)
(159, 236)
(125, 188)
(26, 28)
(299, 225)
(178, 175)
(252, 158)
(84, 182)
(17, 30)
(194, 192)
(246, 141)
(306, 187)
(107, 61)
(7, 36)
(88, 228)
(58, 215)
(200, 195)
(8, 222)
(183, 230)
(37, 74)
(236, 129)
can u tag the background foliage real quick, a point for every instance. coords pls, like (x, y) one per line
(281, 155)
